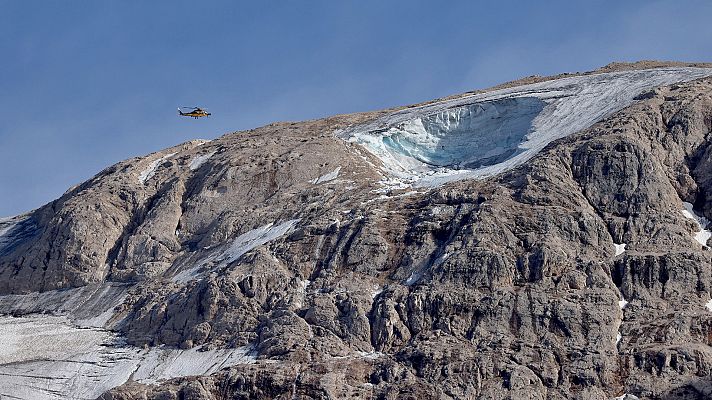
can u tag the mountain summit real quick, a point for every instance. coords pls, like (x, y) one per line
(544, 239)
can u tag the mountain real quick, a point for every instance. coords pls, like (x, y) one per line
(543, 239)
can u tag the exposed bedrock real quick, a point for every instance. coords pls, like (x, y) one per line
(506, 288)
(573, 275)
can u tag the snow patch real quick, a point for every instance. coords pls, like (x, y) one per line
(301, 294)
(622, 303)
(413, 278)
(241, 245)
(327, 177)
(417, 274)
(376, 291)
(620, 248)
(703, 234)
(626, 397)
(390, 184)
(371, 355)
(150, 171)
(254, 238)
(484, 134)
(709, 305)
(198, 161)
(187, 275)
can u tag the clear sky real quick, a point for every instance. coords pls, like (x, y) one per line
(85, 84)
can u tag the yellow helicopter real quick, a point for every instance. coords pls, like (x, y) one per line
(195, 112)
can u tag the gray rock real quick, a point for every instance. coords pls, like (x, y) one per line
(501, 288)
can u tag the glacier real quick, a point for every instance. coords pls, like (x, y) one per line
(62, 346)
(47, 357)
(481, 135)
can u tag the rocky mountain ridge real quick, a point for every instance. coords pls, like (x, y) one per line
(295, 261)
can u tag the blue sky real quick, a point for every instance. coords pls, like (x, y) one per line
(85, 84)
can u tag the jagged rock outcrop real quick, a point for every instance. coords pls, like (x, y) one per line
(573, 275)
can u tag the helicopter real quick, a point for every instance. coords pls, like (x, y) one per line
(195, 112)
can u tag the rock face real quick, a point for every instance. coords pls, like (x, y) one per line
(575, 274)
